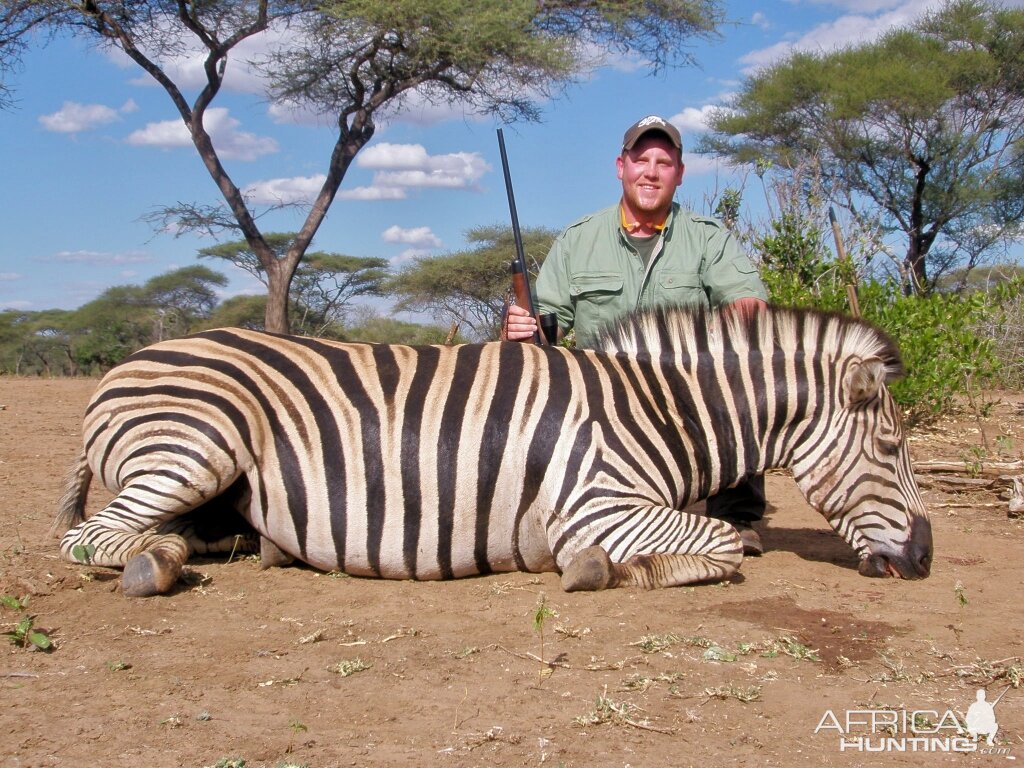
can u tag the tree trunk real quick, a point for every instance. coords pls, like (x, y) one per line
(915, 268)
(279, 280)
(71, 361)
(920, 240)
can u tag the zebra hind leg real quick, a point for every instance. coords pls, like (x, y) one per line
(141, 529)
(155, 560)
(152, 562)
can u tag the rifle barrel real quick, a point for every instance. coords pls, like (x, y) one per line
(517, 236)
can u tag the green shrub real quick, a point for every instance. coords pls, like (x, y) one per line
(942, 351)
(945, 348)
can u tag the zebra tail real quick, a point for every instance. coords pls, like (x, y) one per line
(71, 510)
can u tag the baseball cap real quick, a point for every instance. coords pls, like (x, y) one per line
(648, 124)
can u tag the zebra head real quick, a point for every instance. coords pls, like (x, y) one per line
(858, 472)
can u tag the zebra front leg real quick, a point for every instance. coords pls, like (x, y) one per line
(656, 547)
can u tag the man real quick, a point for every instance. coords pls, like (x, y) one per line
(647, 251)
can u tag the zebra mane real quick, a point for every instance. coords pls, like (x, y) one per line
(672, 332)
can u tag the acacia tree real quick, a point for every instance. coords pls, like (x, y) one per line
(469, 287)
(181, 299)
(355, 61)
(324, 285)
(922, 129)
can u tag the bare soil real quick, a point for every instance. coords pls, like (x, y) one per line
(293, 667)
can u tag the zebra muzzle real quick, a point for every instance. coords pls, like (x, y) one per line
(911, 561)
(914, 563)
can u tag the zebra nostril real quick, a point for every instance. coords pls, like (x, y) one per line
(920, 546)
(923, 563)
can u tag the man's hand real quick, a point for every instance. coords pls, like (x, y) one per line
(520, 325)
(746, 308)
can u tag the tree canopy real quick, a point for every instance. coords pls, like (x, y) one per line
(923, 129)
(354, 62)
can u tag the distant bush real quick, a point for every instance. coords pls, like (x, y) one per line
(1003, 325)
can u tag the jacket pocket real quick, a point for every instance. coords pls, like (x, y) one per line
(595, 287)
(681, 289)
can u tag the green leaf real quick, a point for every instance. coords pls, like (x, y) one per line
(11, 602)
(40, 640)
(83, 553)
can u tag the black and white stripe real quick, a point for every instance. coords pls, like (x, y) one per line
(441, 462)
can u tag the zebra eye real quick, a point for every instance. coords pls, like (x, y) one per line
(888, 446)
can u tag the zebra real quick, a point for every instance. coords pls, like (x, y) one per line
(439, 462)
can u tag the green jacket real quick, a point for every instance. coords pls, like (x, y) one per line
(593, 275)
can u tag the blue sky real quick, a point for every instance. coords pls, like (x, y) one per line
(92, 146)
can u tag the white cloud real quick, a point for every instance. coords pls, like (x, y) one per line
(97, 258)
(409, 165)
(298, 189)
(435, 178)
(9, 276)
(759, 19)
(386, 156)
(73, 117)
(409, 254)
(418, 237)
(849, 29)
(398, 168)
(231, 143)
(166, 134)
(373, 193)
(692, 119)
(700, 165)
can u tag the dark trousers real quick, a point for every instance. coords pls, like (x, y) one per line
(743, 503)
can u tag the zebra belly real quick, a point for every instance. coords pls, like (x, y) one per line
(390, 541)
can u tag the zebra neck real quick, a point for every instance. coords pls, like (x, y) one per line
(742, 414)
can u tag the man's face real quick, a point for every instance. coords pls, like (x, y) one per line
(650, 173)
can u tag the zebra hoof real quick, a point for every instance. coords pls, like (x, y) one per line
(590, 570)
(271, 556)
(150, 573)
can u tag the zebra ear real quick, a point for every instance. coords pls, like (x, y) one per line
(864, 380)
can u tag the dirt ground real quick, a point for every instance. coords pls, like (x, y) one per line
(292, 667)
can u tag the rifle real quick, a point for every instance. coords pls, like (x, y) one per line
(520, 275)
